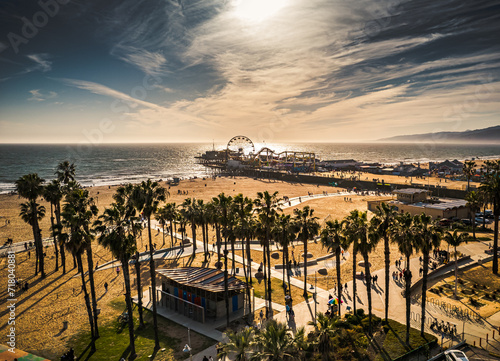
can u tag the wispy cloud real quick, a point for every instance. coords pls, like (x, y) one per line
(39, 96)
(41, 62)
(151, 63)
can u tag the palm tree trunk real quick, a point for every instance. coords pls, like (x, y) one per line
(424, 291)
(305, 268)
(172, 233)
(339, 284)
(153, 285)
(287, 269)
(40, 248)
(87, 302)
(217, 233)
(139, 289)
(269, 287)
(495, 239)
(61, 246)
(368, 291)
(163, 229)
(205, 247)
(456, 271)
(193, 233)
(387, 254)
(354, 254)
(90, 264)
(33, 228)
(407, 298)
(128, 301)
(226, 281)
(54, 235)
(232, 252)
(265, 279)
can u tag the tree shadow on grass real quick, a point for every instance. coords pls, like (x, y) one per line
(88, 348)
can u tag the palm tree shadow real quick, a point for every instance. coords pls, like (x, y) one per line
(399, 339)
(80, 357)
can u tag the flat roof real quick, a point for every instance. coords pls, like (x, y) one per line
(209, 279)
(410, 191)
(444, 204)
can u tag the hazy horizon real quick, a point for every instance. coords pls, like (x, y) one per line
(277, 71)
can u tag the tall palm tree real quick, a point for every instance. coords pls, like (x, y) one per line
(124, 198)
(474, 202)
(274, 343)
(85, 210)
(115, 233)
(469, 170)
(351, 234)
(307, 228)
(369, 237)
(76, 240)
(403, 234)
(267, 207)
(161, 217)
(491, 188)
(147, 197)
(333, 239)
(32, 213)
(202, 221)
(454, 239)
(190, 213)
(428, 238)
(285, 235)
(238, 346)
(325, 331)
(384, 217)
(170, 211)
(52, 193)
(30, 186)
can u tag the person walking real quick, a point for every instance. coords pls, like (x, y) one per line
(106, 286)
(117, 271)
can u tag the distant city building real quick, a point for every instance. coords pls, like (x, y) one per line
(341, 164)
(417, 201)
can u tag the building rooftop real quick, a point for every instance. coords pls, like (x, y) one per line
(443, 204)
(208, 279)
(410, 191)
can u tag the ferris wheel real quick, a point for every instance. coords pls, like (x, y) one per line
(240, 144)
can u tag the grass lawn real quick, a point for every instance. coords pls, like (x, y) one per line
(114, 339)
(277, 294)
(393, 343)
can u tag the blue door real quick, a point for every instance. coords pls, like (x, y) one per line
(176, 292)
(235, 303)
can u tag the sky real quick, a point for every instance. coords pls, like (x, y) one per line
(273, 70)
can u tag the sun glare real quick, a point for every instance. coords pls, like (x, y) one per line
(257, 10)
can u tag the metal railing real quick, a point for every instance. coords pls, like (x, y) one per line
(181, 306)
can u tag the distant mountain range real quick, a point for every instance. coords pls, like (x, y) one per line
(486, 135)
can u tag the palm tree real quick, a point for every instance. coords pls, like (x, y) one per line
(384, 217)
(285, 234)
(302, 345)
(454, 239)
(190, 213)
(333, 239)
(307, 228)
(267, 208)
(325, 331)
(469, 170)
(349, 224)
(369, 237)
(403, 234)
(65, 172)
(491, 188)
(85, 209)
(52, 193)
(124, 197)
(147, 197)
(428, 238)
(239, 345)
(202, 221)
(77, 241)
(116, 234)
(474, 202)
(274, 343)
(161, 217)
(32, 213)
(170, 213)
(30, 186)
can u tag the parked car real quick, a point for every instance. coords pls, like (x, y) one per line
(444, 222)
(481, 219)
(455, 355)
(468, 222)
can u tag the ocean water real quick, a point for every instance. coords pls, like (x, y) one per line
(109, 164)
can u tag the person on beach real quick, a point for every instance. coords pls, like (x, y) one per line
(106, 287)
(117, 271)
